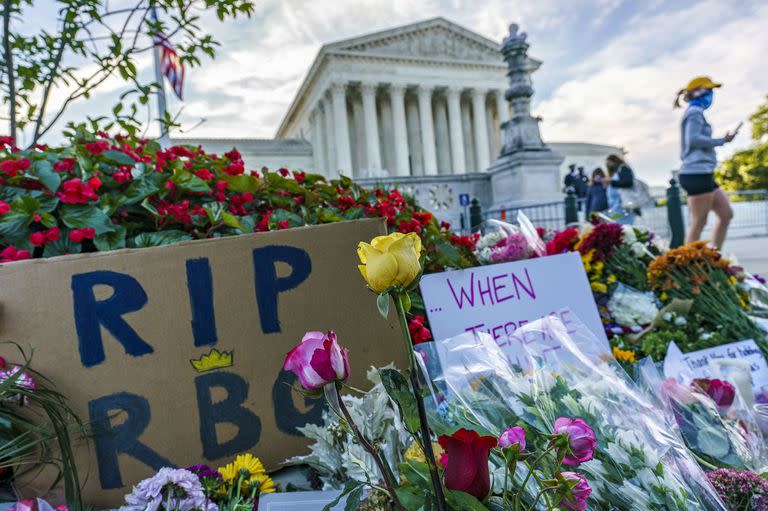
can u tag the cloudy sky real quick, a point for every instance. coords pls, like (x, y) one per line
(611, 67)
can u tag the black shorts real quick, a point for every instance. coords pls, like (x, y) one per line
(698, 184)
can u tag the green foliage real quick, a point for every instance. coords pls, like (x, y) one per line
(40, 434)
(748, 169)
(104, 39)
(688, 334)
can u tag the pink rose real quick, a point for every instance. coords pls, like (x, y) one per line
(318, 360)
(581, 440)
(513, 436)
(580, 490)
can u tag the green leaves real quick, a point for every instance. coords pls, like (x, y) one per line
(156, 239)
(118, 157)
(464, 501)
(218, 215)
(400, 392)
(382, 303)
(113, 240)
(77, 216)
(189, 182)
(355, 491)
(43, 169)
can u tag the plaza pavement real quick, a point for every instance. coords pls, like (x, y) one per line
(752, 253)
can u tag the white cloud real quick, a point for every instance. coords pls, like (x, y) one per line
(630, 104)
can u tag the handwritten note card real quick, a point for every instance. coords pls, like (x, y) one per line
(498, 299)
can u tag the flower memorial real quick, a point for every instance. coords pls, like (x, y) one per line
(233, 487)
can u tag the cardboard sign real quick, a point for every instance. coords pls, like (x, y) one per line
(706, 364)
(175, 353)
(500, 298)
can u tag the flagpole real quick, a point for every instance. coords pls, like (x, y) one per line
(162, 108)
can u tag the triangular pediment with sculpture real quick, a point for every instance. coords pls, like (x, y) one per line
(436, 39)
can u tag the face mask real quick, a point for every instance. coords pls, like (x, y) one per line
(704, 101)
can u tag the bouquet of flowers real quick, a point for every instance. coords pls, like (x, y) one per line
(503, 243)
(233, 487)
(684, 330)
(632, 308)
(637, 463)
(698, 272)
(720, 433)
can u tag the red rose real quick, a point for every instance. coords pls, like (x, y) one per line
(419, 333)
(467, 468)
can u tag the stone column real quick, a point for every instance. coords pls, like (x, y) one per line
(397, 94)
(454, 125)
(442, 137)
(427, 131)
(318, 147)
(330, 139)
(502, 107)
(481, 130)
(372, 152)
(341, 125)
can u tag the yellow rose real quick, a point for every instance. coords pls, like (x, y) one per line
(391, 260)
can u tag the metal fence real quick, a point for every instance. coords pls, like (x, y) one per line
(750, 217)
(550, 214)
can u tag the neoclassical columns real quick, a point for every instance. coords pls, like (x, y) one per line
(480, 129)
(399, 130)
(453, 95)
(397, 96)
(341, 125)
(372, 152)
(428, 143)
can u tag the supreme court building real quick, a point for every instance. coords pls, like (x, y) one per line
(432, 107)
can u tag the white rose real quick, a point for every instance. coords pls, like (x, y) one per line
(680, 321)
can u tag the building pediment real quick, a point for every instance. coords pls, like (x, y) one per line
(436, 39)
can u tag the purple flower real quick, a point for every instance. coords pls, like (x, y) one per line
(512, 248)
(202, 471)
(581, 440)
(178, 486)
(513, 436)
(739, 487)
(580, 491)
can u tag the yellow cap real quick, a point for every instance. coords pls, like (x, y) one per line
(701, 82)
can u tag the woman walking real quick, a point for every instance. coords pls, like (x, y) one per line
(699, 161)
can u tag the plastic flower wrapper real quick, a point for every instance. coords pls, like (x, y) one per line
(757, 291)
(547, 370)
(713, 419)
(632, 308)
(504, 242)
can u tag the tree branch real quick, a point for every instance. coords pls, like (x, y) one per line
(7, 4)
(49, 81)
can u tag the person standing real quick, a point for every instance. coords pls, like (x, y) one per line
(697, 171)
(570, 178)
(597, 198)
(622, 177)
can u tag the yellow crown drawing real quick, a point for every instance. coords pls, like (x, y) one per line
(214, 360)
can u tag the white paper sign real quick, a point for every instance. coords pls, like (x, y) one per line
(698, 364)
(300, 501)
(500, 298)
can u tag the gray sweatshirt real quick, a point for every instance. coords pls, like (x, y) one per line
(698, 146)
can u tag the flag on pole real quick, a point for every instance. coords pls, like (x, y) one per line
(170, 64)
